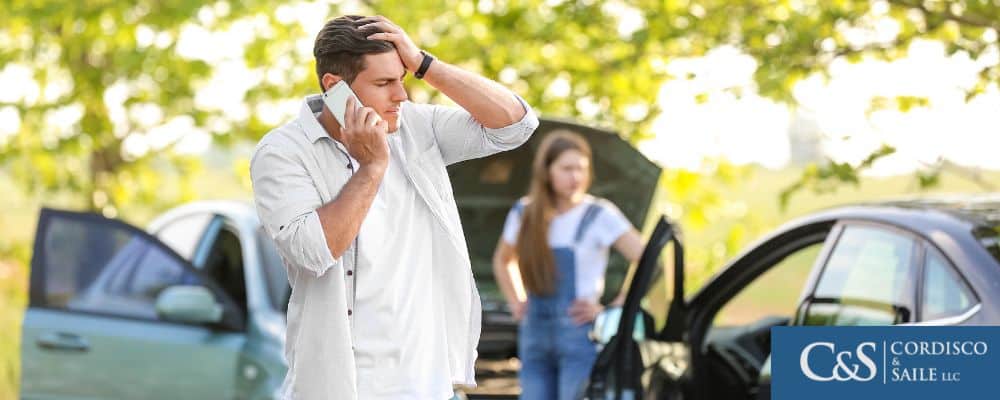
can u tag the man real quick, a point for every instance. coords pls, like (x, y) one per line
(383, 304)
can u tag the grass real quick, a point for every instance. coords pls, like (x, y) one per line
(753, 205)
(12, 302)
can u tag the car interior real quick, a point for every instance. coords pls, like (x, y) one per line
(225, 266)
(738, 341)
(726, 334)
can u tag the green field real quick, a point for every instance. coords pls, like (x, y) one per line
(750, 207)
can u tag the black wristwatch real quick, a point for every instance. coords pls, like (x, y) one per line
(424, 65)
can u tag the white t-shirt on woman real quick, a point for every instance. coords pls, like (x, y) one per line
(591, 252)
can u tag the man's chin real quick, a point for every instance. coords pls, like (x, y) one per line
(393, 125)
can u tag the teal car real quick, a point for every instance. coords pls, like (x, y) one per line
(204, 319)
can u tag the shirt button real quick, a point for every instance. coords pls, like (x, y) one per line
(349, 312)
(350, 272)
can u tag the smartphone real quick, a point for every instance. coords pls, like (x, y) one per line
(336, 100)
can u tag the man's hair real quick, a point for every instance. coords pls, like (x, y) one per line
(341, 47)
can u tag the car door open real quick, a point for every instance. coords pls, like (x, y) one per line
(632, 364)
(114, 313)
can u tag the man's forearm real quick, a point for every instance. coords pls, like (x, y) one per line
(341, 218)
(489, 103)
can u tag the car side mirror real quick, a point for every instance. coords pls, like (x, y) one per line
(189, 304)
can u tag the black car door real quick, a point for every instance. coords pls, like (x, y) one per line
(647, 364)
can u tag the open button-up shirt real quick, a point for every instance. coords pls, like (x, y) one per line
(298, 167)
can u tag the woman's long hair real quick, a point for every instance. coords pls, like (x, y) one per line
(535, 259)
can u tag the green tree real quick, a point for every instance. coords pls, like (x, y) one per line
(118, 76)
(602, 62)
(102, 74)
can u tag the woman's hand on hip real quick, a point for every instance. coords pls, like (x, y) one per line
(584, 311)
(517, 309)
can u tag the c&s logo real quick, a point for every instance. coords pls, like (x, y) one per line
(884, 362)
(857, 366)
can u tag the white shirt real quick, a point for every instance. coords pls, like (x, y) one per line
(296, 169)
(396, 319)
(591, 252)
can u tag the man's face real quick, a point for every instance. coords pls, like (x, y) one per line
(380, 86)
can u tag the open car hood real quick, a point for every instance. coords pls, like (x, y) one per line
(486, 188)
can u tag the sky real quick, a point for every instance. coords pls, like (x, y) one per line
(742, 129)
(751, 129)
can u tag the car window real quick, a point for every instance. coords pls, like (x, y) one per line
(773, 294)
(656, 302)
(989, 237)
(945, 294)
(224, 265)
(868, 279)
(183, 234)
(278, 288)
(101, 268)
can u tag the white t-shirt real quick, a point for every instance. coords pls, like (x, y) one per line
(591, 252)
(395, 363)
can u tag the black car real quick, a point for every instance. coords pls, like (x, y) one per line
(920, 262)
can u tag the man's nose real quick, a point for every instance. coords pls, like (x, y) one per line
(399, 94)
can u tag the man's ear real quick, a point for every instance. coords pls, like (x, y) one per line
(329, 80)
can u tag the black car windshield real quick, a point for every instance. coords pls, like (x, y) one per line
(275, 275)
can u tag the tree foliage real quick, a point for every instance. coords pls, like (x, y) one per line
(114, 73)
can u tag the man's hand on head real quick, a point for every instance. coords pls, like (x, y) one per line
(409, 53)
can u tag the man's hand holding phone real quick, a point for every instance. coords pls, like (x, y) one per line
(364, 134)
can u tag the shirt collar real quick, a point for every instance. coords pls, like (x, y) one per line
(311, 105)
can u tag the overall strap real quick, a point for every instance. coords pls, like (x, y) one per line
(589, 216)
(518, 208)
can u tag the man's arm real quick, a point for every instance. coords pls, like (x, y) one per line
(341, 218)
(364, 137)
(307, 233)
(487, 101)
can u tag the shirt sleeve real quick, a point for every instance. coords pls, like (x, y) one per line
(286, 202)
(512, 225)
(460, 137)
(611, 224)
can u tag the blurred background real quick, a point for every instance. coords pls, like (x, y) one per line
(758, 110)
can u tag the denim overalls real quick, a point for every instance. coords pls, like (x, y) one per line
(556, 354)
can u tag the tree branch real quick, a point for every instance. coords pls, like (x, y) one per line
(974, 175)
(972, 20)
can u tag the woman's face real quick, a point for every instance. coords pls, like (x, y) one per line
(569, 174)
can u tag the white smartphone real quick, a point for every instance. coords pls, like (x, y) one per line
(336, 100)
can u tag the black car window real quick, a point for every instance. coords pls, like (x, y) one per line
(224, 265)
(989, 237)
(868, 280)
(103, 269)
(945, 294)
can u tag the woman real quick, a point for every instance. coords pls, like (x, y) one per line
(550, 264)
